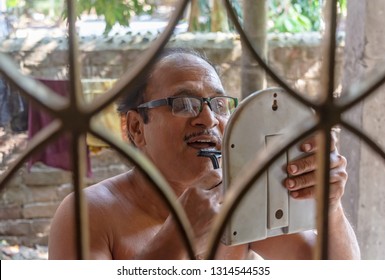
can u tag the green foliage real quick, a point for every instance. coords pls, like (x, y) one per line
(12, 3)
(284, 15)
(47, 7)
(342, 6)
(113, 11)
(295, 16)
(203, 22)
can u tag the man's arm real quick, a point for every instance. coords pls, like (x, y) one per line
(297, 246)
(62, 237)
(342, 242)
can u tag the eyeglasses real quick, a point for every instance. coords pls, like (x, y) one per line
(191, 106)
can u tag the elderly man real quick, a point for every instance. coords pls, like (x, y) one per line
(179, 109)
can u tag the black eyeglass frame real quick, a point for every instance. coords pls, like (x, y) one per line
(169, 102)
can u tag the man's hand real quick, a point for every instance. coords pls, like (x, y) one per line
(201, 203)
(302, 181)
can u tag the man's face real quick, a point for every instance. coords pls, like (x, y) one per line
(172, 142)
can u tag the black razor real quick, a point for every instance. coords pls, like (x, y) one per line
(213, 155)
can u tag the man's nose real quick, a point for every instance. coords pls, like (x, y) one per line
(206, 117)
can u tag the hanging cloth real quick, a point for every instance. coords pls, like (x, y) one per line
(57, 153)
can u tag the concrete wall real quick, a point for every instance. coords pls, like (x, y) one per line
(365, 57)
(31, 198)
(296, 58)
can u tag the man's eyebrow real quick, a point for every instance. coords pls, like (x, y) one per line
(185, 91)
(220, 91)
(193, 92)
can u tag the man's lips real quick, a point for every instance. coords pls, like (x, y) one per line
(202, 143)
(204, 140)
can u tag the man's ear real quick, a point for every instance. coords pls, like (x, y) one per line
(134, 128)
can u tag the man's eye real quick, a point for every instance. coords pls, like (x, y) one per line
(185, 108)
(221, 104)
(187, 104)
(184, 104)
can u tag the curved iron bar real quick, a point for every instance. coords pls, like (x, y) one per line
(42, 138)
(78, 149)
(323, 193)
(260, 60)
(373, 145)
(357, 93)
(243, 183)
(126, 81)
(35, 91)
(75, 93)
(156, 178)
(324, 139)
(78, 153)
(331, 51)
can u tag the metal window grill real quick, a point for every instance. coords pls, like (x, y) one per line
(72, 115)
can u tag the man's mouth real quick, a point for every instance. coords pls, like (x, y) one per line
(203, 140)
(202, 144)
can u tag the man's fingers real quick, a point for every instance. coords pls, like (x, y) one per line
(310, 144)
(299, 182)
(302, 165)
(304, 193)
(309, 163)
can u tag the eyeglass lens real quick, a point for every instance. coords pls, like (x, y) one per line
(186, 107)
(191, 107)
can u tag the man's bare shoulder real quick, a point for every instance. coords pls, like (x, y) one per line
(109, 190)
(102, 195)
(115, 196)
(113, 220)
(124, 194)
(118, 211)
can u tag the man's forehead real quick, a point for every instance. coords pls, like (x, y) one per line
(183, 60)
(183, 66)
(181, 73)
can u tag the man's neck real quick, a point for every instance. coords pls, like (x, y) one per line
(149, 198)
